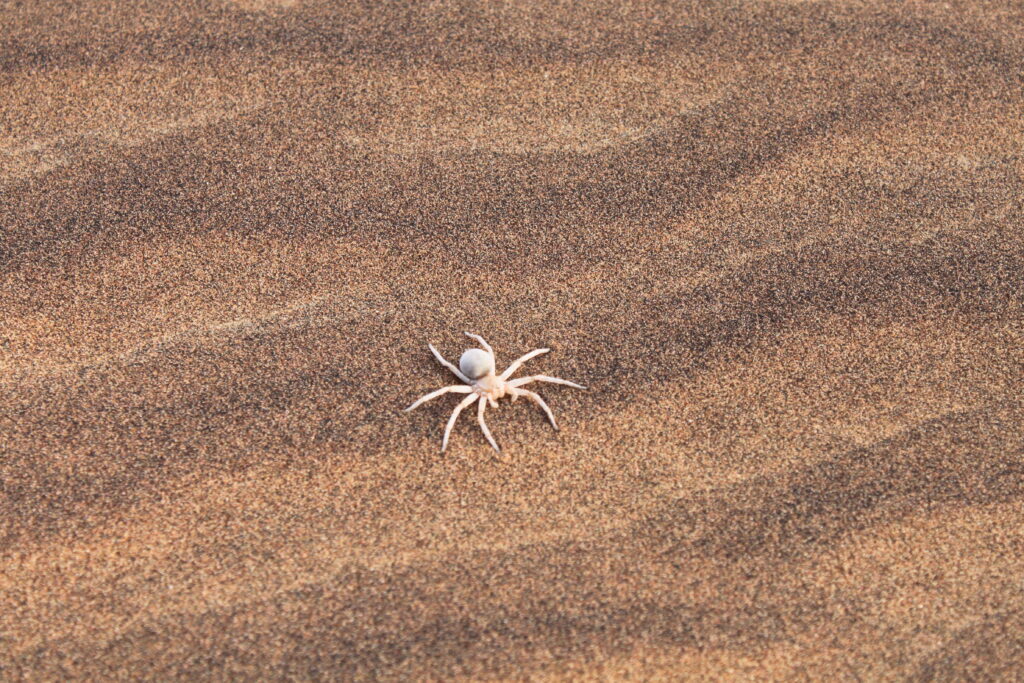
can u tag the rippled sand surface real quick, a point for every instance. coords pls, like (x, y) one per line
(781, 241)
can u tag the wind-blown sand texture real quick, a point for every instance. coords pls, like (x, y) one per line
(781, 241)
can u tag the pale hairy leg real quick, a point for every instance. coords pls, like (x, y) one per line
(442, 361)
(483, 425)
(454, 388)
(535, 397)
(518, 363)
(455, 415)
(480, 340)
(543, 378)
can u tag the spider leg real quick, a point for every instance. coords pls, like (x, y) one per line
(535, 397)
(483, 425)
(519, 362)
(456, 388)
(480, 340)
(543, 378)
(455, 415)
(442, 361)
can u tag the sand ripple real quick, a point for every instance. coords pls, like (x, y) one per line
(780, 240)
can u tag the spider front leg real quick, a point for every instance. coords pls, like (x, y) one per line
(544, 378)
(518, 363)
(455, 415)
(480, 340)
(454, 388)
(442, 361)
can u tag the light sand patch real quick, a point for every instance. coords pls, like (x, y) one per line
(553, 109)
(186, 288)
(924, 591)
(56, 118)
(263, 5)
(43, 155)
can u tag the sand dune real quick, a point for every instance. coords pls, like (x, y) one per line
(780, 241)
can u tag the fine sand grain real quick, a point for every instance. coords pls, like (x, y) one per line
(781, 241)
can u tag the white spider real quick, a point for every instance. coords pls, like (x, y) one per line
(476, 369)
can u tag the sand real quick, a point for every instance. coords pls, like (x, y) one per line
(780, 241)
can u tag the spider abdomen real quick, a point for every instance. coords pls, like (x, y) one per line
(476, 363)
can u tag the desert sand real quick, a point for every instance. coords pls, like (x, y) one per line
(781, 242)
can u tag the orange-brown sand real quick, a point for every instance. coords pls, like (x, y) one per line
(782, 243)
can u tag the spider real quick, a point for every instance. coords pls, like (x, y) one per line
(476, 369)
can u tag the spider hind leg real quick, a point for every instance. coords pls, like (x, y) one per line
(455, 415)
(483, 425)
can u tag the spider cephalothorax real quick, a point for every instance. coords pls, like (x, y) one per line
(476, 369)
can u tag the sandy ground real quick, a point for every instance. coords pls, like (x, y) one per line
(781, 241)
